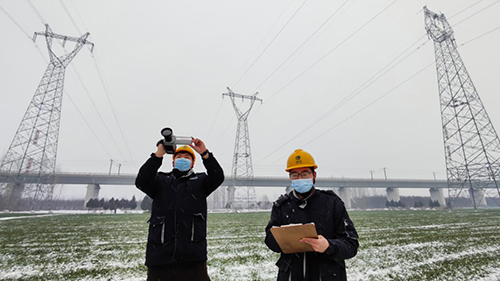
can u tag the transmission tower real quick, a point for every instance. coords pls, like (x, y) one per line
(242, 159)
(471, 144)
(34, 147)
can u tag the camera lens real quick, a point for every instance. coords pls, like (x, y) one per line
(167, 134)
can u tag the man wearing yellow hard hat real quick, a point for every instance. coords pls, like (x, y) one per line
(177, 240)
(337, 238)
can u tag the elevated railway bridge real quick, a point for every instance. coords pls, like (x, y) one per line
(94, 182)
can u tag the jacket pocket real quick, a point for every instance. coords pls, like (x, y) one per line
(283, 264)
(332, 272)
(157, 230)
(198, 227)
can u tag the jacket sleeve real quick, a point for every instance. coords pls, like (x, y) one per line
(146, 179)
(274, 221)
(215, 174)
(345, 246)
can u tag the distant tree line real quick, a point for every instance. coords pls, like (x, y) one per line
(432, 204)
(216, 203)
(393, 204)
(111, 204)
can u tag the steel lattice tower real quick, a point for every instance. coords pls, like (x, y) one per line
(472, 147)
(34, 147)
(242, 159)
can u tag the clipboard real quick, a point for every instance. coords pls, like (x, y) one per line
(288, 237)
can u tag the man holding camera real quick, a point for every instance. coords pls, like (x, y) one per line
(177, 244)
(337, 238)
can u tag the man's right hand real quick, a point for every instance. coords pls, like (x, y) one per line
(160, 150)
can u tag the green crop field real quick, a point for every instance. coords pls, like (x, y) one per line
(395, 245)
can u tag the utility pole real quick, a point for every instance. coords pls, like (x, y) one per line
(471, 144)
(34, 147)
(242, 158)
(110, 166)
(371, 173)
(385, 173)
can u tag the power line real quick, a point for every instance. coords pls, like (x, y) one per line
(354, 93)
(265, 37)
(97, 110)
(379, 98)
(465, 9)
(324, 30)
(213, 123)
(23, 31)
(484, 34)
(334, 48)
(103, 82)
(276, 36)
(85, 88)
(362, 109)
(362, 87)
(70, 16)
(15, 22)
(225, 131)
(88, 125)
(35, 10)
(477, 12)
(303, 43)
(329, 25)
(373, 102)
(372, 79)
(78, 14)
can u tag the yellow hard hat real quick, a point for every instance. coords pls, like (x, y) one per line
(300, 159)
(187, 149)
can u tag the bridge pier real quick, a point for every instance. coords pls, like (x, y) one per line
(92, 193)
(478, 196)
(11, 198)
(230, 197)
(438, 195)
(393, 194)
(345, 195)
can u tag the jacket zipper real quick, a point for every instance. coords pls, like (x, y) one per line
(163, 233)
(304, 268)
(175, 223)
(192, 231)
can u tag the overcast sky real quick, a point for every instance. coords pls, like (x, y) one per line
(167, 63)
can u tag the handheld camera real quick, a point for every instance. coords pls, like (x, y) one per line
(170, 141)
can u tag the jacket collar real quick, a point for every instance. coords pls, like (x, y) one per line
(178, 174)
(303, 201)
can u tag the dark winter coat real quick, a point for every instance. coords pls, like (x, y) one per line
(328, 213)
(178, 223)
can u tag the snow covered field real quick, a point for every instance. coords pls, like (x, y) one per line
(395, 245)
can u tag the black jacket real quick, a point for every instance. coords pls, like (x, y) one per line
(178, 223)
(328, 213)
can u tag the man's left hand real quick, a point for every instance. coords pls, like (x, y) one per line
(319, 245)
(198, 145)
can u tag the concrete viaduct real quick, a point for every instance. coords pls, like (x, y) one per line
(94, 182)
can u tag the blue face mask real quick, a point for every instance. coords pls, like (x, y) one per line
(182, 164)
(302, 185)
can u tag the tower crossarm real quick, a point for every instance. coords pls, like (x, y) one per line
(437, 27)
(65, 59)
(239, 113)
